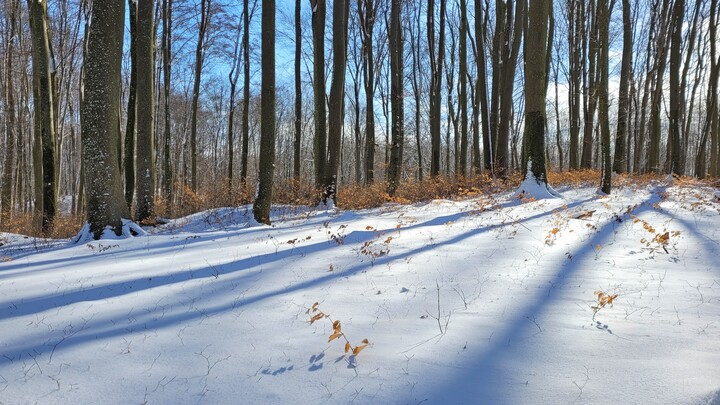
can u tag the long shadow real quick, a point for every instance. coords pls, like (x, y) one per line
(151, 323)
(12, 309)
(485, 376)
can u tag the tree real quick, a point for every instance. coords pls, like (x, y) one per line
(320, 138)
(298, 92)
(481, 22)
(676, 99)
(436, 64)
(129, 155)
(199, 61)
(621, 137)
(590, 88)
(604, 11)
(367, 10)
(145, 197)
(246, 92)
(100, 125)
(336, 103)
(45, 119)
(396, 90)
(167, 70)
(266, 170)
(506, 48)
(233, 77)
(535, 79)
(462, 97)
(576, 33)
(10, 114)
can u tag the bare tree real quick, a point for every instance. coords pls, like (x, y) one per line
(397, 100)
(45, 114)
(145, 193)
(261, 207)
(100, 126)
(336, 103)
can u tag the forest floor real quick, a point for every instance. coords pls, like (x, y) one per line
(491, 299)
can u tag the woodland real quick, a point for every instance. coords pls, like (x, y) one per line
(169, 107)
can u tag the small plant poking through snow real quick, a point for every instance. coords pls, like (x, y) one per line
(603, 299)
(316, 314)
(660, 239)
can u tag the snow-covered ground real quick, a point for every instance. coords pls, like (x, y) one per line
(489, 300)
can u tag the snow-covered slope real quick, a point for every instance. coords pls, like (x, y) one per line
(482, 301)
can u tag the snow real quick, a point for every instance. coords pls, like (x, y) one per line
(211, 308)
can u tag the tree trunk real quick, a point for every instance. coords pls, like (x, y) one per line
(396, 74)
(505, 70)
(621, 136)
(535, 79)
(45, 124)
(266, 172)
(320, 138)
(6, 206)
(462, 96)
(336, 103)
(604, 10)
(100, 129)
(298, 93)
(145, 198)
(367, 10)
(246, 93)
(128, 167)
(436, 65)
(480, 32)
(199, 61)
(233, 77)
(676, 99)
(167, 65)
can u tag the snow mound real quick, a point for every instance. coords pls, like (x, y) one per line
(129, 228)
(531, 187)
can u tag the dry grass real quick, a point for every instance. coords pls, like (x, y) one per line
(350, 197)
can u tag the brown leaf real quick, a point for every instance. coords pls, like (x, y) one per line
(334, 336)
(358, 349)
(347, 347)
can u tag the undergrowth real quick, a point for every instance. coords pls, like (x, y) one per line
(303, 192)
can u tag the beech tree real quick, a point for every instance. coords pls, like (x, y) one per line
(266, 173)
(336, 103)
(145, 190)
(535, 90)
(320, 137)
(45, 116)
(100, 118)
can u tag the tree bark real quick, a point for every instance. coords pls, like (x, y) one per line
(396, 78)
(45, 119)
(100, 129)
(145, 194)
(436, 65)
(367, 11)
(167, 70)
(535, 79)
(336, 103)
(128, 167)
(298, 92)
(199, 61)
(320, 138)
(676, 99)
(6, 206)
(266, 172)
